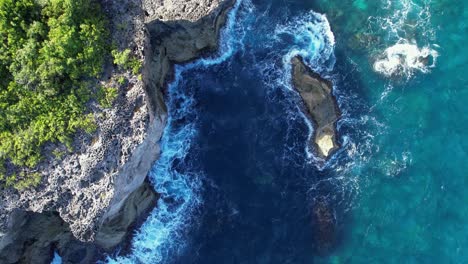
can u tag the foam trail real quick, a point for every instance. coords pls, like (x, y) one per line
(313, 40)
(162, 235)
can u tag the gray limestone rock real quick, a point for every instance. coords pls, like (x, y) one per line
(98, 193)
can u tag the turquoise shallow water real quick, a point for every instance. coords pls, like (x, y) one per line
(237, 184)
(411, 205)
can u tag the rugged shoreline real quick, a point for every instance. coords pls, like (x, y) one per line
(100, 190)
(320, 107)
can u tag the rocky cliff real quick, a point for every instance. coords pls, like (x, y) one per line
(98, 192)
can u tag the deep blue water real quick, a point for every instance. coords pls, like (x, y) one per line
(237, 179)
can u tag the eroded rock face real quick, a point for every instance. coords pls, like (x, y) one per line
(112, 162)
(99, 191)
(115, 229)
(180, 41)
(191, 10)
(33, 238)
(320, 106)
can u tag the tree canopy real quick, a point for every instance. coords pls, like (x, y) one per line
(50, 50)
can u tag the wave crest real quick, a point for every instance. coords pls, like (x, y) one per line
(163, 234)
(406, 23)
(404, 59)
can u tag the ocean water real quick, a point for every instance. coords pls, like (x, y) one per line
(237, 179)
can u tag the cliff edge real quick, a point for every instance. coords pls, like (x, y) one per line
(98, 192)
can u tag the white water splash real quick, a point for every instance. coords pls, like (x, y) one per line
(57, 259)
(404, 59)
(163, 234)
(314, 41)
(310, 37)
(406, 22)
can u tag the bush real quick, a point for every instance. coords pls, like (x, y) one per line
(49, 50)
(121, 58)
(107, 96)
(126, 61)
(121, 80)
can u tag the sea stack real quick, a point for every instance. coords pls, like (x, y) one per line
(320, 106)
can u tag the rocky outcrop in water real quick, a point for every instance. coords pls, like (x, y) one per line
(320, 106)
(98, 192)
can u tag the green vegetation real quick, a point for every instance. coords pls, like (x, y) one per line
(23, 180)
(49, 52)
(107, 95)
(121, 80)
(58, 153)
(124, 60)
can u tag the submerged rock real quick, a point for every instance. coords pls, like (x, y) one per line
(404, 59)
(324, 225)
(320, 106)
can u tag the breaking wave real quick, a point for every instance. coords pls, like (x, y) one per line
(406, 24)
(163, 234)
(404, 59)
(309, 36)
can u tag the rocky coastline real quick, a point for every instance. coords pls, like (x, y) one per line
(320, 107)
(90, 199)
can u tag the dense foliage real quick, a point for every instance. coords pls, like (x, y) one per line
(49, 52)
(127, 62)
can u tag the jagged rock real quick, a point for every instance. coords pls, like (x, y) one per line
(118, 227)
(33, 237)
(99, 191)
(81, 185)
(166, 10)
(320, 105)
(180, 41)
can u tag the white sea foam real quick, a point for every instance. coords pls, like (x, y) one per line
(406, 24)
(314, 41)
(162, 236)
(57, 259)
(404, 59)
(310, 37)
(404, 19)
